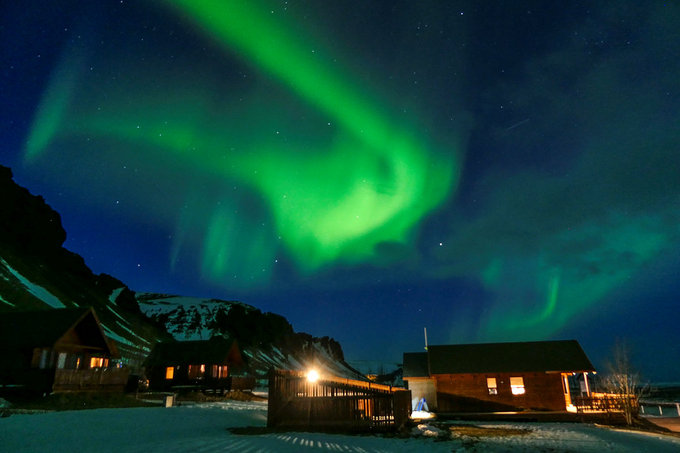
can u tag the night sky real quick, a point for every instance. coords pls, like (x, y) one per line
(493, 171)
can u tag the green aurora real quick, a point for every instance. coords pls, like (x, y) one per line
(368, 179)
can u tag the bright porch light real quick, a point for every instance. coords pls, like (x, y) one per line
(312, 376)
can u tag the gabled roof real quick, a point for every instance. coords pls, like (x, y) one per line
(216, 350)
(534, 356)
(26, 330)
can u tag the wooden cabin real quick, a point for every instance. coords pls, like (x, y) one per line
(199, 365)
(57, 350)
(318, 402)
(491, 377)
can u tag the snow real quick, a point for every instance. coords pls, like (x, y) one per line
(8, 303)
(114, 336)
(114, 295)
(205, 428)
(37, 290)
(131, 332)
(110, 308)
(182, 311)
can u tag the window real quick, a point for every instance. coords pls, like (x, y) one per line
(517, 385)
(219, 371)
(196, 371)
(98, 362)
(491, 385)
(61, 360)
(44, 358)
(169, 373)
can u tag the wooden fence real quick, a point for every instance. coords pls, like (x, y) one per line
(335, 404)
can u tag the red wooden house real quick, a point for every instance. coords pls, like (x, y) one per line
(494, 377)
(57, 350)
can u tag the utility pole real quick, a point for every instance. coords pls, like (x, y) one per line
(427, 351)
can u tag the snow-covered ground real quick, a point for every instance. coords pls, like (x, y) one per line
(205, 428)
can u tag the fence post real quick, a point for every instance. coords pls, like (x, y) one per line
(401, 407)
(272, 400)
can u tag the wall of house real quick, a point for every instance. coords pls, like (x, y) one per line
(469, 392)
(422, 388)
(190, 375)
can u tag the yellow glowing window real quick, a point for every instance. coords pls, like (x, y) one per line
(169, 372)
(491, 385)
(97, 362)
(517, 385)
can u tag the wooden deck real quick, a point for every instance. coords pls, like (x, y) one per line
(96, 379)
(334, 404)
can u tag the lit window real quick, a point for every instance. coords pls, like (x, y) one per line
(96, 362)
(196, 371)
(219, 371)
(169, 372)
(491, 385)
(517, 385)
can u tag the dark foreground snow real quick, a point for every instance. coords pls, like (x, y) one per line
(204, 428)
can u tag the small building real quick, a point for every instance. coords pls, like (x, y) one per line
(57, 350)
(491, 377)
(199, 365)
(318, 402)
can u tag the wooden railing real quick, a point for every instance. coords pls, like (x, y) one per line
(100, 379)
(656, 408)
(604, 402)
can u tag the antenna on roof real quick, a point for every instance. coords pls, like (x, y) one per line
(425, 329)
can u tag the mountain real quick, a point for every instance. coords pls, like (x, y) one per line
(37, 272)
(267, 340)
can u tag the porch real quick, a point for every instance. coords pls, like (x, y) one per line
(95, 379)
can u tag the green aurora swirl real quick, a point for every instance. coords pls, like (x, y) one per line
(367, 179)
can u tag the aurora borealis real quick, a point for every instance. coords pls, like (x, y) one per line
(492, 172)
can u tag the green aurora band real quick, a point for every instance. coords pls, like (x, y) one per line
(366, 180)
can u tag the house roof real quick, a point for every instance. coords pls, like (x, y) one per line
(415, 364)
(26, 330)
(535, 356)
(216, 350)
